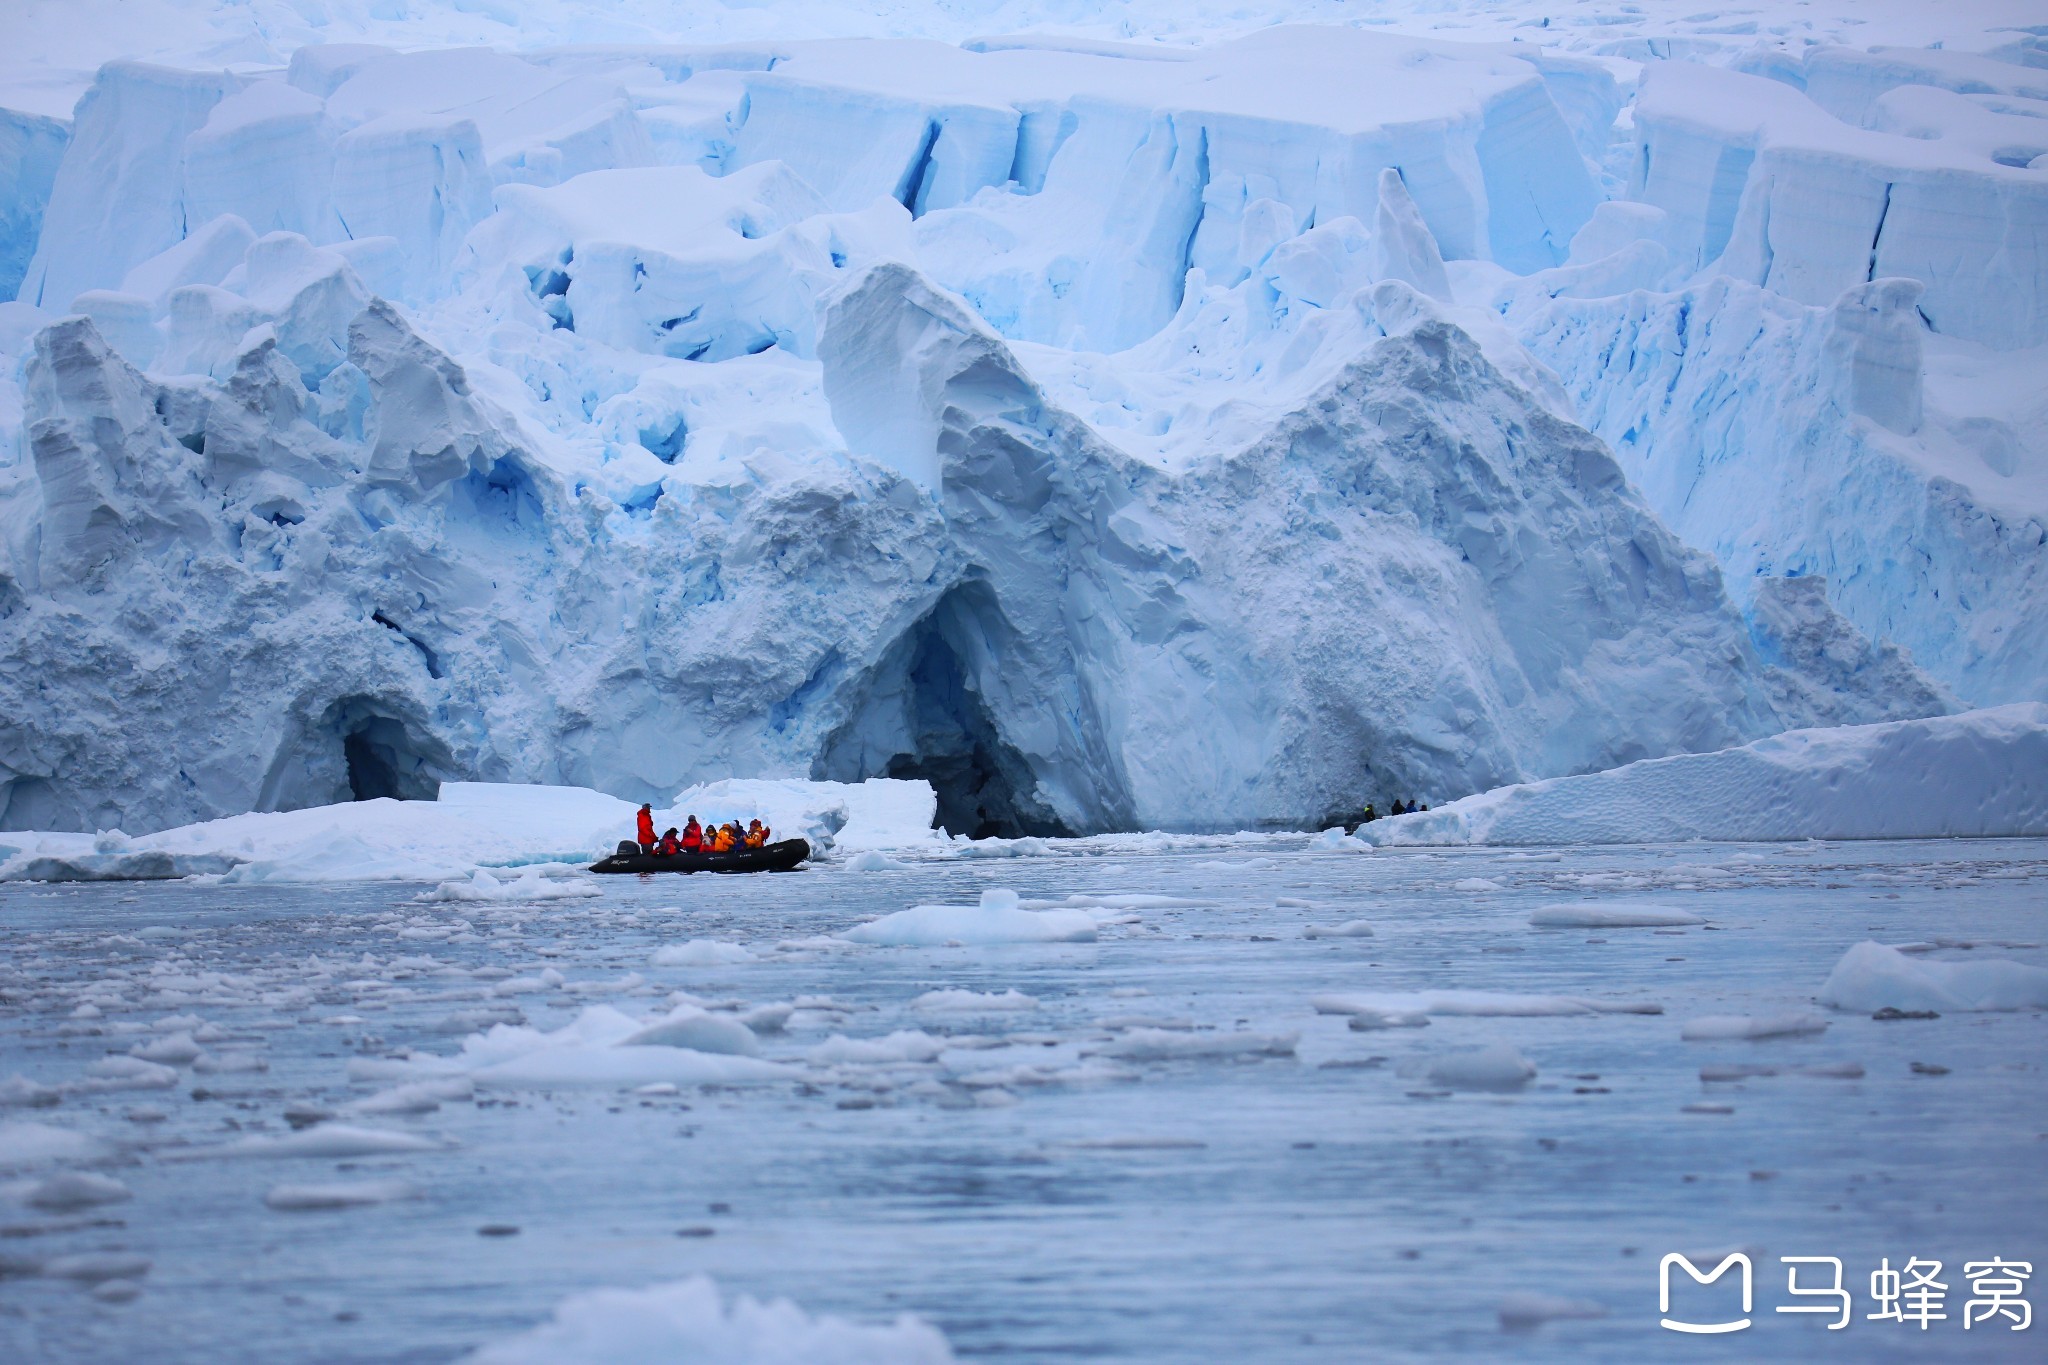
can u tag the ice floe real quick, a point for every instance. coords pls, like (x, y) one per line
(702, 952)
(349, 1194)
(1475, 1004)
(1497, 1066)
(1872, 976)
(996, 919)
(1723, 1027)
(529, 885)
(1975, 774)
(1613, 915)
(601, 1047)
(690, 1320)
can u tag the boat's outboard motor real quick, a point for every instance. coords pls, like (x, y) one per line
(627, 849)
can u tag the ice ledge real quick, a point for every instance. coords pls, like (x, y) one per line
(471, 825)
(1980, 774)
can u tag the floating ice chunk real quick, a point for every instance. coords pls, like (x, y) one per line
(1370, 1020)
(1498, 1067)
(874, 860)
(590, 1050)
(974, 1001)
(767, 1018)
(529, 885)
(701, 952)
(904, 1045)
(1336, 840)
(1479, 1004)
(1351, 928)
(1871, 976)
(1719, 1027)
(687, 1026)
(1612, 915)
(126, 1073)
(176, 1050)
(1160, 1045)
(997, 919)
(70, 1190)
(329, 1140)
(95, 1267)
(19, 1092)
(625, 1067)
(1475, 885)
(1522, 1312)
(420, 1097)
(689, 1321)
(338, 1195)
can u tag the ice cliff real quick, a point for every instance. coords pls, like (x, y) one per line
(1113, 436)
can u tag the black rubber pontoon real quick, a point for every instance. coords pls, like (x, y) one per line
(777, 857)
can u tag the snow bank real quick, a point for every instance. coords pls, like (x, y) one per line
(997, 919)
(471, 823)
(1983, 773)
(689, 1320)
(1871, 976)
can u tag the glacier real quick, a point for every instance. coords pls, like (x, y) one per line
(1115, 434)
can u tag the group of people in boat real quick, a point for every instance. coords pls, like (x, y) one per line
(1399, 809)
(695, 838)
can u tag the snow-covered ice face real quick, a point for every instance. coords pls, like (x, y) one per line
(356, 1120)
(1117, 435)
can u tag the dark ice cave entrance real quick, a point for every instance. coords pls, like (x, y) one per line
(925, 717)
(383, 757)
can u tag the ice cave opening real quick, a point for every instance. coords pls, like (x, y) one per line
(925, 714)
(382, 756)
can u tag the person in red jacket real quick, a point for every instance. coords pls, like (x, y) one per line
(669, 846)
(693, 835)
(646, 829)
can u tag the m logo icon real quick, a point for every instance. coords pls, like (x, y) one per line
(1702, 1328)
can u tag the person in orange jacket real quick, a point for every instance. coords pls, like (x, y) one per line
(693, 836)
(646, 828)
(757, 834)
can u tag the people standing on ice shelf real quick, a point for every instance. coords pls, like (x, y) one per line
(646, 829)
(693, 836)
(670, 845)
(1370, 814)
(757, 834)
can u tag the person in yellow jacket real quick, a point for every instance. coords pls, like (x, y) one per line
(721, 839)
(757, 834)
